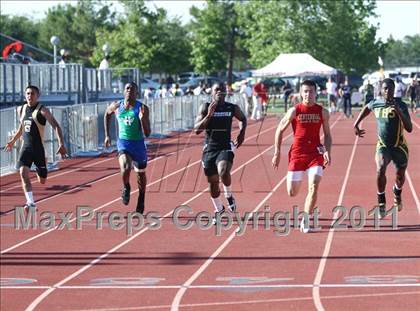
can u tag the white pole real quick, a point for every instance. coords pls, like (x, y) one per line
(55, 54)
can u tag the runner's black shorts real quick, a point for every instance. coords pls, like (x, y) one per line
(212, 157)
(29, 156)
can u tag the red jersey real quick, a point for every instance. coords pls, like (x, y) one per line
(264, 94)
(306, 126)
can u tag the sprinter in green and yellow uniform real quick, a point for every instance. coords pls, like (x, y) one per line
(392, 119)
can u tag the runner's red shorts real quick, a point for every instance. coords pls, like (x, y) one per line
(299, 162)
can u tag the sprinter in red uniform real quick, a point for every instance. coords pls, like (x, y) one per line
(306, 154)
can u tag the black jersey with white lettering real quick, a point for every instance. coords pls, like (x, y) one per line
(218, 131)
(33, 123)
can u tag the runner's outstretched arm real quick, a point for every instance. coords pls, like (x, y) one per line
(18, 134)
(278, 138)
(242, 126)
(327, 136)
(363, 114)
(145, 120)
(404, 117)
(58, 132)
(107, 117)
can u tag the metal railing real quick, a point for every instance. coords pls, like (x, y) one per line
(83, 129)
(69, 83)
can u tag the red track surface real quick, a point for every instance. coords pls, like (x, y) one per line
(170, 268)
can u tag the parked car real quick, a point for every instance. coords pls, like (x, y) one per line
(187, 75)
(185, 83)
(146, 83)
(18, 58)
(194, 82)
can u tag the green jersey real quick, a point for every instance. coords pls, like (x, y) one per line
(129, 124)
(389, 124)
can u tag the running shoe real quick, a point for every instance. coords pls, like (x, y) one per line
(304, 225)
(232, 204)
(382, 210)
(125, 195)
(218, 215)
(30, 207)
(397, 199)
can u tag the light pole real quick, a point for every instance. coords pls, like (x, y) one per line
(55, 41)
(106, 49)
(104, 74)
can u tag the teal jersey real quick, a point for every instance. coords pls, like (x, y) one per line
(389, 125)
(129, 124)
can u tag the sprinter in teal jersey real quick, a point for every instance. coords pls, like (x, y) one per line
(392, 119)
(133, 126)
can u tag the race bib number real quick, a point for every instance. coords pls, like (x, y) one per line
(27, 125)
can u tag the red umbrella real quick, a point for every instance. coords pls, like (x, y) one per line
(16, 46)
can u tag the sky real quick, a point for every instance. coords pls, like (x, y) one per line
(399, 18)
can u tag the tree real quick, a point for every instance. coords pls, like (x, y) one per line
(215, 35)
(335, 32)
(146, 40)
(173, 48)
(400, 53)
(76, 27)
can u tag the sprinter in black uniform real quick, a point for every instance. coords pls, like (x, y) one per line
(33, 118)
(215, 119)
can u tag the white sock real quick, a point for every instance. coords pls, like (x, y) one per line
(228, 191)
(396, 187)
(29, 197)
(217, 203)
(380, 193)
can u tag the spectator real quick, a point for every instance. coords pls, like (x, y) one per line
(399, 89)
(148, 93)
(378, 89)
(176, 90)
(207, 89)
(264, 99)
(246, 92)
(200, 89)
(287, 90)
(346, 95)
(169, 81)
(413, 92)
(256, 98)
(368, 92)
(332, 95)
(189, 91)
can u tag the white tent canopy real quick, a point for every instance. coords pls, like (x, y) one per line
(294, 65)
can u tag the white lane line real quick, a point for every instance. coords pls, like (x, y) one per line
(117, 199)
(35, 180)
(413, 191)
(115, 174)
(262, 286)
(180, 293)
(46, 293)
(187, 284)
(243, 302)
(323, 261)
